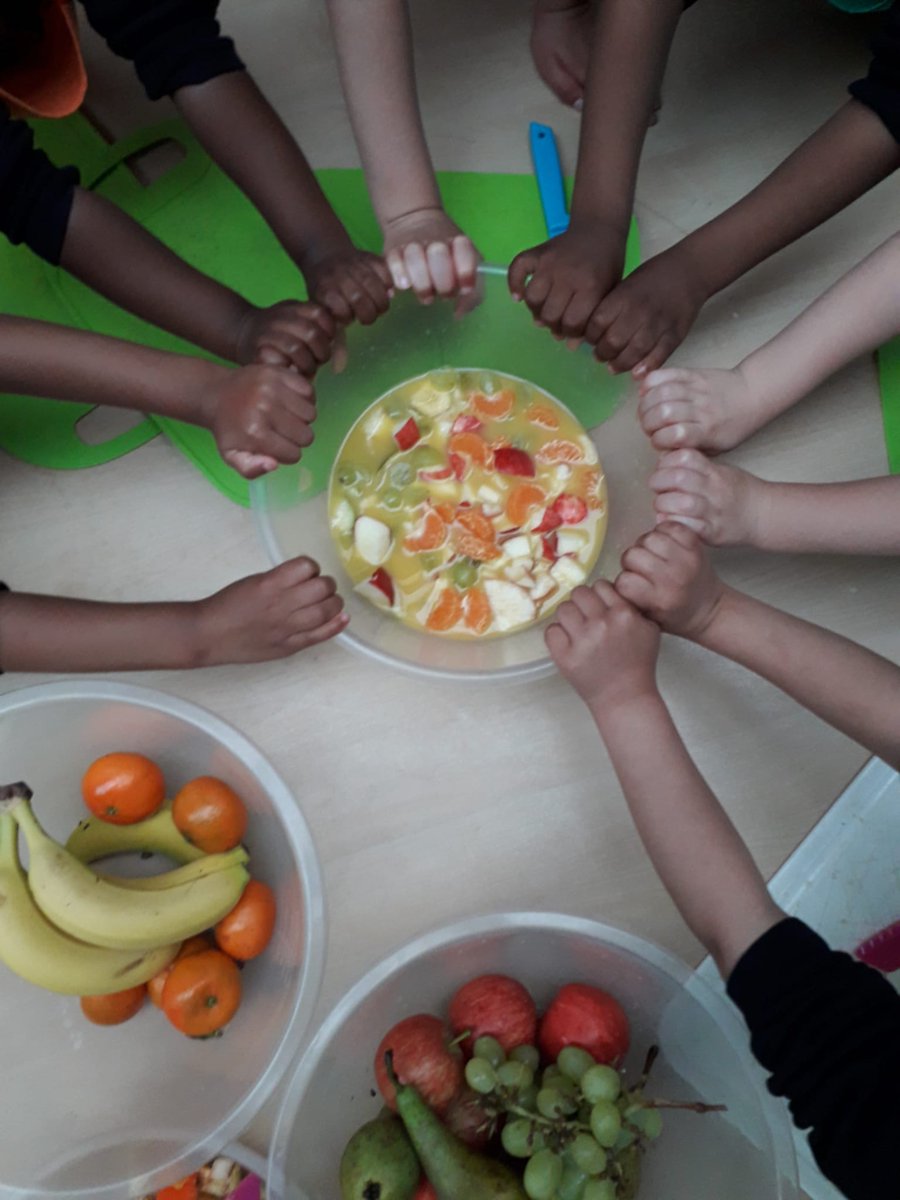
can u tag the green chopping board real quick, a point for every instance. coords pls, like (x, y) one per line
(889, 383)
(232, 243)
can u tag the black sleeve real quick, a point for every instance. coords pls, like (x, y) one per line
(880, 90)
(827, 1028)
(172, 43)
(35, 195)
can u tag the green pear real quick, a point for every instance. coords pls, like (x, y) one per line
(454, 1171)
(379, 1163)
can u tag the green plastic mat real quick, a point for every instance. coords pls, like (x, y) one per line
(889, 383)
(232, 243)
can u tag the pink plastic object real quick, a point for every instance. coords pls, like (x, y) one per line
(883, 950)
(247, 1189)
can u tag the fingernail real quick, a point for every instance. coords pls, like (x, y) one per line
(578, 105)
(516, 296)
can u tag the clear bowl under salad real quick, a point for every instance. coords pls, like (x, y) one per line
(291, 505)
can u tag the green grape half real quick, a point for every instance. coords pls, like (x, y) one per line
(489, 1048)
(529, 1055)
(606, 1123)
(600, 1189)
(647, 1120)
(587, 1155)
(601, 1083)
(515, 1075)
(543, 1175)
(553, 1104)
(573, 1062)
(480, 1076)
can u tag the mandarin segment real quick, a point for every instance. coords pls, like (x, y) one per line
(543, 416)
(445, 612)
(522, 500)
(560, 450)
(496, 407)
(476, 610)
(471, 446)
(431, 534)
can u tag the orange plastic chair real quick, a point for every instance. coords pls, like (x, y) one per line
(51, 81)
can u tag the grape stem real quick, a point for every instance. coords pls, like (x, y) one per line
(12, 793)
(652, 1055)
(696, 1106)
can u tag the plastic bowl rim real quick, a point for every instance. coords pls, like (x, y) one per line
(315, 922)
(473, 927)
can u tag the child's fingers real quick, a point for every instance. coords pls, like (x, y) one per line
(682, 504)
(588, 603)
(634, 588)
(652, 361)
(314, 616)
(397, 267)
(555, 305)
(657, 544)
(288, 425)
(375, 287)
(336, 304)
(295, 571)
(293, 351)
(249, 464)
(639, 560)
(380, 267)
(416, 264)
(681, 435)
(656, 410)
(570, 617)
(270, 356)
(537, 290)
(693, 524)
(300, 641)
(660, 378)
(319, 315)
(578, 311)
(284, 447)
(557, 641)
(465, 262)
(520, 269)
(676, 479)
(605, 592)
(362, 305)
(440, 268)
(311, 592)
(300, 404)
(641, 341)
(679, 534)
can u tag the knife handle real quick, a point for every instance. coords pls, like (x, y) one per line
(548, 171)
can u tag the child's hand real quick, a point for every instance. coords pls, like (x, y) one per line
(560, 46)
(604, 647)
(427, 252)
(288, 334)
(667, 575)
(352, 284)
(647, 315)
(723, 504)
(569, 276)
(706, 410)
(271, 615)
(260, 417)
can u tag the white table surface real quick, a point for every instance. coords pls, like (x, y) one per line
(432, 801)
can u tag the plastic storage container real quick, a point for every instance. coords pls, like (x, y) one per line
(110, 1113)
(290, 504)
(744, 1154)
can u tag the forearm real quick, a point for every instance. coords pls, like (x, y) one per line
(39, 359)
(849, 154)
(696, 851)
(860, 517)
(631, 40)
(49, 633)
(111, 253)
(242, 132)
(375, 54)
(849, 687)
(860, 312)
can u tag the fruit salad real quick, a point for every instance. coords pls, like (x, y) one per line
(467, 503)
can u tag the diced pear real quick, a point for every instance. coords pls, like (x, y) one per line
(568, 573)
(344, 517)
(444, 425)
(517, 547)
(562, 473)
(517, 570)
(570, 541)
(510, 604)
(375, 423)
(488, 494)
(544, 587)
(431, 403)
(372, 539)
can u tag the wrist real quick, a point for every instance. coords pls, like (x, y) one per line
(626, 711)
(599, 227)
(690, 261)
(314, 251)
(708, 632)
(203, 382)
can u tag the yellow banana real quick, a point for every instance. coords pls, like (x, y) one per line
(42, 954)
(208, 865)
(93, 839)
(94, 910)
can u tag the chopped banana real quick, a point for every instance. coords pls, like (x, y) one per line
(372, 540)
(343, 517)
(518, 547)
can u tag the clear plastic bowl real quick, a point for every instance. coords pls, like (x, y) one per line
(87, 1112)
(411, 339)
(745, 1154)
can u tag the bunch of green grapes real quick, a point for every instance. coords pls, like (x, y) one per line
(579, 1127)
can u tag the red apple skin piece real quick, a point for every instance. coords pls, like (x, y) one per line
(423, 1057)
(509, 460)
(407, 435)
(383, 582)
(436, 473)
(552, 520)
(570, 509)
(585, 1016)
(457, 465)
(494, 1006)
(466, 1118)
(549, 544)
(465, 423)
(424, 1191)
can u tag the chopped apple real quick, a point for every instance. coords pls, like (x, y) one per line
(543, 587)
(488, 494)
(372, 539)
(382, 583)
(562, 473)
(570, 541)
(343, 517)
(568, 573)
(518, 547)
(375, 423)
(510, 604)
(516, 571)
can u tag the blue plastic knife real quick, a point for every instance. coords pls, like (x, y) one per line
(548, 172)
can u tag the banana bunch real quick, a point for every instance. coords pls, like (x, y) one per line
(71, 930)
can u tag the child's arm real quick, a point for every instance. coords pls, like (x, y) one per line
(714, 410)
(647, 316)
(667, 574)
(259, 415)
(259, 618)
(425, 250)
(242, 132)
(560, 46)
(571, 274)
(607, 651)
(730, 507)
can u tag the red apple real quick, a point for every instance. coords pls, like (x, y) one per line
(424, 1191)
(581, 1015)
(423, 1057)
(467, 1119)
(494, 1006)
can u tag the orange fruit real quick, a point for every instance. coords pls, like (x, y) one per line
(476, 610)
(475, 522)
(588, 485)
(471, 445)
(115, 1008)
(446, 612)
(186, 1189)
(194, 945)
(496, 407)
(202, 993)
(210, 814)
(432, 533)
(472, 547)
(522, 499)
(561, 450)
(445, 511)
(542, 415)
(123, 788)
(247, 929)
